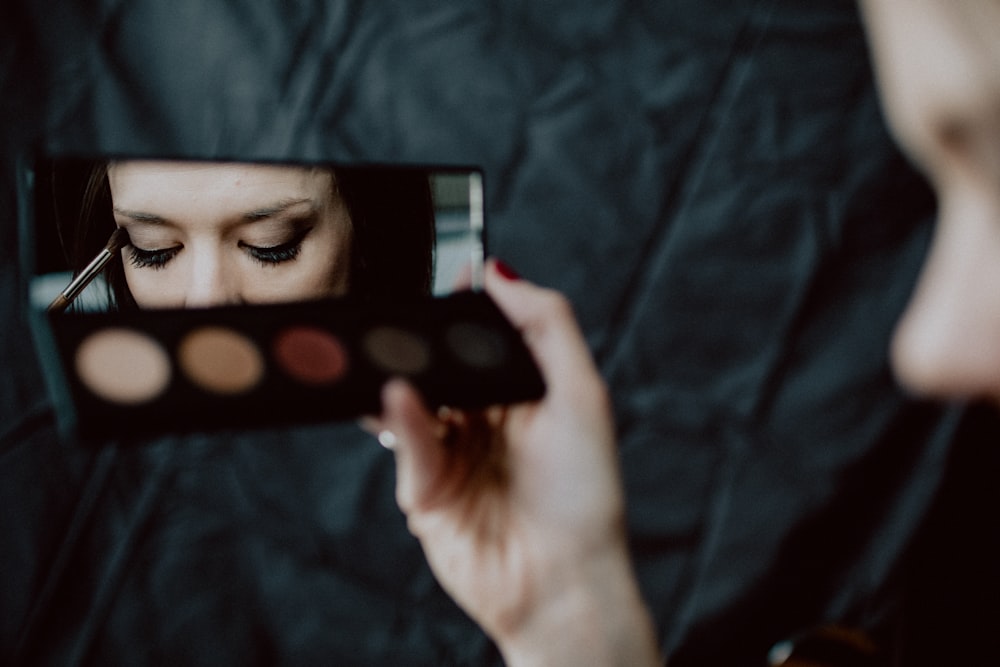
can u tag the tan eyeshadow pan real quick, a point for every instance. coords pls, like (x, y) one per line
(220, 360)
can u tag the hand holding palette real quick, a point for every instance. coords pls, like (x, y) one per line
(357, 274)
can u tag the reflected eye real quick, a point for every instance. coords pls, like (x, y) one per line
(277, 254)
(151, 259)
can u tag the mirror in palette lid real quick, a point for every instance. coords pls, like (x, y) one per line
(172, 295)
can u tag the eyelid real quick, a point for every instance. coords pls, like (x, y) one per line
(157, 258)
(278, 253)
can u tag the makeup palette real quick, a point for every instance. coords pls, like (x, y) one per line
(413, 305)
(270, 365)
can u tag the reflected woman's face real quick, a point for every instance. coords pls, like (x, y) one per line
(213, 234)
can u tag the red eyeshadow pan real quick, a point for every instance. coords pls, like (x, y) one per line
(310, 355)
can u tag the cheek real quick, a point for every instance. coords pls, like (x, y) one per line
(136, 283)
(947, 344)
(152, 289)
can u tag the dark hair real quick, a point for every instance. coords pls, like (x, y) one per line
(391, 211)
(392, 214)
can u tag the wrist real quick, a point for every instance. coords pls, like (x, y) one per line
(599, 618)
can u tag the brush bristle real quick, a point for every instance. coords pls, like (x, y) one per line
(118, 240)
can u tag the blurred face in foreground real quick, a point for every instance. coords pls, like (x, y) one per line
(942, 101)
(948, 342)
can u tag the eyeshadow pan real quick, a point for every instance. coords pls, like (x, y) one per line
(220, 360)
(397, 350)
(310, 355)
(123, 366)
(476, 345)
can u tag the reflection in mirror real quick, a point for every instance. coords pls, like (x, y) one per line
(199, 233)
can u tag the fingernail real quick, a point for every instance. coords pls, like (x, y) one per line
(504, 270)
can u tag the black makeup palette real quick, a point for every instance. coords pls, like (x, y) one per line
(420, 313)
(269, 365)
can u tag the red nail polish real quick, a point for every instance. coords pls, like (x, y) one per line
(507, 272)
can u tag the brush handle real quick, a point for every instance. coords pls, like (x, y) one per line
(81, 281)
(77, 285)
(59, 304)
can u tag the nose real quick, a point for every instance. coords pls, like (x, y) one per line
(210, 282)
(947, 344)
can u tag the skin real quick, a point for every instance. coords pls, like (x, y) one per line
(522, 519)
(938, 68)
(520, 513)
(208, 234)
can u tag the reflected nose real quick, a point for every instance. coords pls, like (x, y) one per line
(210, 282)
(947, 344)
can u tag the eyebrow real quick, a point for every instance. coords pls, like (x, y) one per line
(139, 216)
(261, 213)
(276, 208)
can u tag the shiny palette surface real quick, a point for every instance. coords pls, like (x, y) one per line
(130, 373)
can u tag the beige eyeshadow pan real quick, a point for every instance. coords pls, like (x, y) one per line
(123, 366)
(220, 360)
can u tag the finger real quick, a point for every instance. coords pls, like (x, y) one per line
(421, 462)
(546, 320)
(371, 424)
(463, 279)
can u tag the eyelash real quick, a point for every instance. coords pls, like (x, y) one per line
(151, 259)
(266, 256)
(278, 254)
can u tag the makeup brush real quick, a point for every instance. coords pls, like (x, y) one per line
(118, 240)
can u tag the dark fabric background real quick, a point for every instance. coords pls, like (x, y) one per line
(709, 181)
